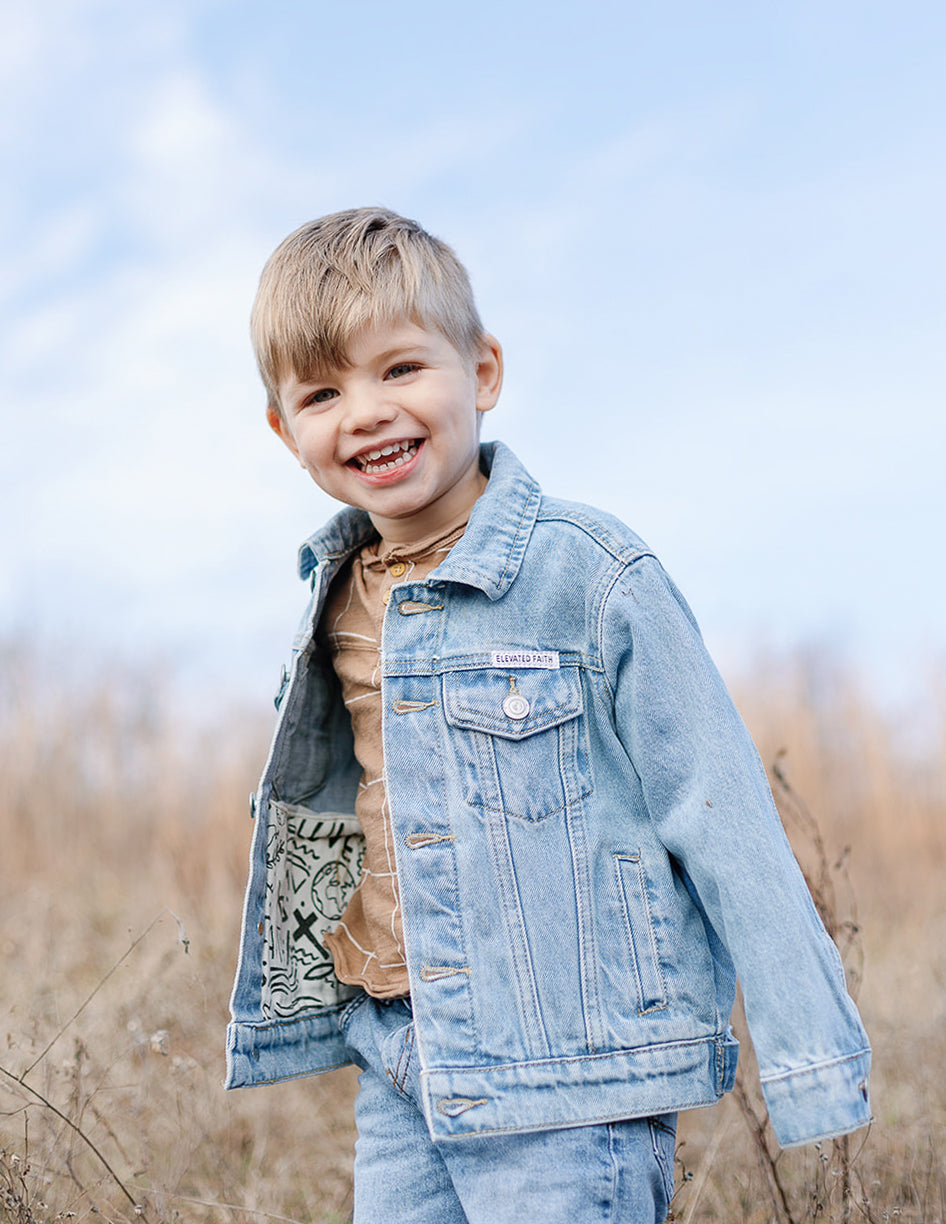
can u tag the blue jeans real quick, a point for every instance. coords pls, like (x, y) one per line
(619, 1172)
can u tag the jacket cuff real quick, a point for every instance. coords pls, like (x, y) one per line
(819, 1102)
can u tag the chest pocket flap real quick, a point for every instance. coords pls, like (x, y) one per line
(519, 738)
(478, 700)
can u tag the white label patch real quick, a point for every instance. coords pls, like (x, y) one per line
(547, 659)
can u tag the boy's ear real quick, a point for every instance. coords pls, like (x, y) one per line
(279, 427)
(489, 373)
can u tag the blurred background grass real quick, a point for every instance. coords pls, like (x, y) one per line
(123, 843)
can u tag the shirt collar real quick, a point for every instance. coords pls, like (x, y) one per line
(489, 553)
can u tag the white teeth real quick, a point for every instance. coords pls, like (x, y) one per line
(368, 462)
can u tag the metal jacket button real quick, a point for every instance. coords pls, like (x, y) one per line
(516, 706)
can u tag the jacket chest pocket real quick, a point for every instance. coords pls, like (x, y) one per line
(519, 740)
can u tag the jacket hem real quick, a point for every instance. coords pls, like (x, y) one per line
(582, 1091)
(267, 1052)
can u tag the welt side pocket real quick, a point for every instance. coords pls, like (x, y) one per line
(638, 921)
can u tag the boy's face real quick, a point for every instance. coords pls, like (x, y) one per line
(411, 396)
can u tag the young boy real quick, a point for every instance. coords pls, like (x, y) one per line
(513, 842)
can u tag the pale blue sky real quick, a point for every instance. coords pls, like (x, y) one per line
(710, 237)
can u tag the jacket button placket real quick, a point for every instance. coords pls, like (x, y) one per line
(424, 839)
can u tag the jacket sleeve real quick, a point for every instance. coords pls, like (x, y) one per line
(708, 797)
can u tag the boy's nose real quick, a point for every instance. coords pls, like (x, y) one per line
(368, 408)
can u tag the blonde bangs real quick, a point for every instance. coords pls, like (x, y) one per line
(336, 276)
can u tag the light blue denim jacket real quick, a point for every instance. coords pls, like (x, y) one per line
(587, 848)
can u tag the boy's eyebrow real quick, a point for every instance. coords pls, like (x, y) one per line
(409, 348)
(402, 350)
(313, 378)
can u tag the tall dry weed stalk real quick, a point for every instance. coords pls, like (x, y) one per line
(830, 1193)
(122, 817)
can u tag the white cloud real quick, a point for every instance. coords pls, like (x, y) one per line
(21, 43)
(180, 127)
(189, 167)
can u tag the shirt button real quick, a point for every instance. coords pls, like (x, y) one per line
(385, 597)
(397, 569)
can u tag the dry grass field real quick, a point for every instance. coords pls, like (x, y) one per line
(123, 842)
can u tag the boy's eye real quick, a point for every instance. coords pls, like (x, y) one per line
(402, 368)
(321, 396)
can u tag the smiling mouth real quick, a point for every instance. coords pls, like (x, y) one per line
(386, 458)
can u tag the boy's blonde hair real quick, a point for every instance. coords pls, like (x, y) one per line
(351, 269)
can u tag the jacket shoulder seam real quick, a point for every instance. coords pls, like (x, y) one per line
(603, 609)
(596, 526)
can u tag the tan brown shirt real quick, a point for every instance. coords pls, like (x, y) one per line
(368, 944)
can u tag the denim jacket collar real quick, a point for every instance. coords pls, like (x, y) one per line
(489, 554)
